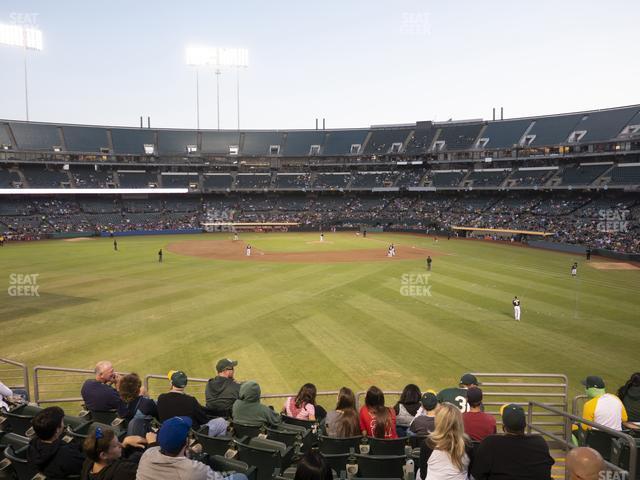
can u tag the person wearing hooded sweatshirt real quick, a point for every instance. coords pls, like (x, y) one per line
(629, 393)
(248, 410)
(47, 451)
(602, 407)
(222, 390)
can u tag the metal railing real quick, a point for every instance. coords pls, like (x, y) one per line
(575, 402)
(567, 443)
(14, 374)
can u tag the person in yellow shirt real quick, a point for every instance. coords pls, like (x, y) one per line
(602, 407)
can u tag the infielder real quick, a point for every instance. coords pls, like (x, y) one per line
(248, 250)
(516, 308)
(574, 269)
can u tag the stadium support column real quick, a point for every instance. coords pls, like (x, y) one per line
(197, 98)
(218, 72)
(26, 90)
(238, 93)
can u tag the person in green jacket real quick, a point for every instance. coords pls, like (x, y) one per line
(248, 410)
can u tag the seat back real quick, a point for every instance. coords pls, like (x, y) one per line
(104, 416)
(213, 445)
(288, 437)
(339, 445)
(388, 446)
(380, 466)
(337, 462)
(600, 441)
(308, 424)
(240, 430)
(222, 464)
(620, 454)
(23, 469)
(19, 419)
(264, 460)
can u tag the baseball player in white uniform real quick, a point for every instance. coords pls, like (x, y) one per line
(248, 250)
(516, 308)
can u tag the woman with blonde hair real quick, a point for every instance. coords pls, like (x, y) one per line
(446, 454)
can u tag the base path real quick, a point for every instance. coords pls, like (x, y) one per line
(230, 250)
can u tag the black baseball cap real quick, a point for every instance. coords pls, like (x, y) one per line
(474, 395)
(593, 381)
(513, 417)
(429, 400)
(469, 379)
(225, 364)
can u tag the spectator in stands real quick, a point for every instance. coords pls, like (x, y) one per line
(584, 463)
(5, 393)
(458, 395)
(139, 410)
(99, 395)
(343, 421)
(446, 454)
(477, 424)
(222, 390)
(602, 407)
(424, 422)
(105, 459)
(513, 455)
(302, 405)
(629, 393)
(313, 466)
(176, 403)
(47, 451)
(169, 458)
(406, 408)
(248, 410)
(376, 420)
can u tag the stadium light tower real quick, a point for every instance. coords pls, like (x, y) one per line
(27, 38)
(218, 58)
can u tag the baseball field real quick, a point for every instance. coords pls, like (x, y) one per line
(337, 312)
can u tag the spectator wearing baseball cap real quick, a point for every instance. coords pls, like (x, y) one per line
(168, 459)
(176, 403)
(514, 455)
(477, 424)
(222, 390)
(458, 395)
(602, 407)
(424, 421)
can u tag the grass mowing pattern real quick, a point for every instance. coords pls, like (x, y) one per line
(335, 324)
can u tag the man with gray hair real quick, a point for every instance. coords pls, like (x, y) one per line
(584, 463)
(99, 395)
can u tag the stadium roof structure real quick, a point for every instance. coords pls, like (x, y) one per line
(620, 124)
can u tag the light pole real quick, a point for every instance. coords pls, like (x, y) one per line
(28, 38)
(218, 58)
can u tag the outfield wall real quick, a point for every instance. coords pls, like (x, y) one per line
(130, 233)
(581, 250)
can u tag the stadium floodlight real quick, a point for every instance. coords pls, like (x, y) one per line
(217, 58)
(27, 38)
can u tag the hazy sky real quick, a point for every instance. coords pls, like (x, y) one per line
(356, 63)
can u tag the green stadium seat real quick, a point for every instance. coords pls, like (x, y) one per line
(308, 424)
(600, 441)
(380, 466)
(106, 416)
(388, 446)
(241, 430)
(82, 431)
(21, 467)
(620, 454)
(332, 445)
(337, 461)
(213, 445)
(265, 455)
(19, 419)
(290, 438)
(221, 464)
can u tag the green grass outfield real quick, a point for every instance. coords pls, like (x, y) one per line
(331, 324)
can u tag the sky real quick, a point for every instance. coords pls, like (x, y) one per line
(355, 63)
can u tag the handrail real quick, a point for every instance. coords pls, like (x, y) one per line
(566, 442)
(574, 403)
(69, 371)
(25, 373)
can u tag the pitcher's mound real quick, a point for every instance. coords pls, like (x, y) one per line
(230, 250)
